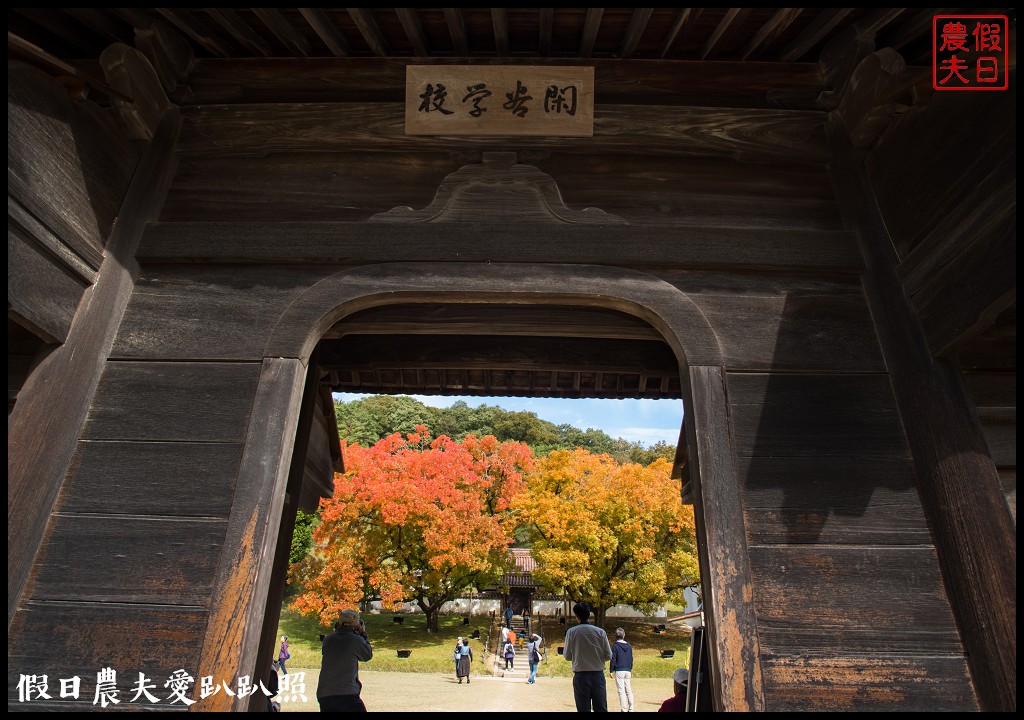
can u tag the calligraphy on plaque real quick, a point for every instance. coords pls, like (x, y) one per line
(499, 100)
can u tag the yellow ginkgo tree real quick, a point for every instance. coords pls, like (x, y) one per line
(607, 533)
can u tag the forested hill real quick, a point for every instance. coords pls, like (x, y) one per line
(368, 420)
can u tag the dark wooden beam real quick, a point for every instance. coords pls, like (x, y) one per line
(98, 23)
(547, 21)
(635, 31)
(240, 31)
(680, 29)
(912, 28)
(876, 20)
(413, 30)
(367, 27)
(718, 84)
(726, 29)
(457, 29)
(41, 442)
(187, 23)
(283, 30)
(814, 33)
(18, 216)
(591, 25)
(774, 27)
(499, 19)
(526, 320)
(138, 19)
(708, 247)
(22, 48)
(59, 26)
(792, 136)
(326, 31)
(355, 353)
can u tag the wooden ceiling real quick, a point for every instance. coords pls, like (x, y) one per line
(784, 35)
(499, 350)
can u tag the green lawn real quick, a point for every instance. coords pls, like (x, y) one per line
(432, 652)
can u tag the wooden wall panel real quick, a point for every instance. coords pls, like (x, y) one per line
(815, 416)
(693, 191)
(1001, 438)
(41, 294)
(110, 558)
(173, 401)
(834, 501)
(802, 682)
(785, 322)
(152, 478)
(851, 599)
(353, 186)
(207, 313)
(152, 639)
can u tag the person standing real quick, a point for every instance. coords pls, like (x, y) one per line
(339, 687)
(458, 654)
(508, 617)
(465, 661)
(533, 654)
(622, 670)
(283, 654)
(512, 637)
(587, 647)
(526, 621)
(509, 652)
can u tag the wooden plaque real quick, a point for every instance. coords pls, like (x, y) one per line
(499, 100)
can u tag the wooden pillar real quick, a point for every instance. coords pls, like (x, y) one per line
(722, 547)
(231, 644)
(268, 646)
(975, 536)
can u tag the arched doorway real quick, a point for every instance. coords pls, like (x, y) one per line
(683, 329)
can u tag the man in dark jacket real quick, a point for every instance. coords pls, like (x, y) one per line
(621, 670)
(339, 687)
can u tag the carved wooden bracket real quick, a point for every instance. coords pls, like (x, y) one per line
(498, 190)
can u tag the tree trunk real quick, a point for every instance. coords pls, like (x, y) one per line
(599, 615)
(431, 610)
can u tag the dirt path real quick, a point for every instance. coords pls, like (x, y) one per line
(424, 692)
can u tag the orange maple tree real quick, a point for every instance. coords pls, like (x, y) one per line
(608, 533)
(413, 519)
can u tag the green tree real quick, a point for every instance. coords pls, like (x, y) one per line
(302, 536)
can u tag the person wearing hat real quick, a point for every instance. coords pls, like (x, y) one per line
(677, 703)
(339, 687)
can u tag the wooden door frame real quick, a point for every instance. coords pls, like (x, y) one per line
(249, 558)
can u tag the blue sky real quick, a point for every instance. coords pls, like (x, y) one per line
(643, 421)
